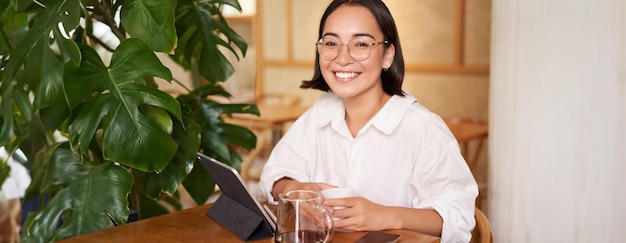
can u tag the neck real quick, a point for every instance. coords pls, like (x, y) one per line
(360, 111)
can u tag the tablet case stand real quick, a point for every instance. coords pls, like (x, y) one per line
(238, 219)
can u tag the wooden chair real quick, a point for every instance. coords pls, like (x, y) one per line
(471, 134)
(482, 231)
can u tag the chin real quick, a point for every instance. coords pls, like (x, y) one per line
(343, 94)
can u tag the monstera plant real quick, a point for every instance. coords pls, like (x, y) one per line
(101, 139)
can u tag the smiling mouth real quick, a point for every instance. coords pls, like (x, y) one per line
(346, 75)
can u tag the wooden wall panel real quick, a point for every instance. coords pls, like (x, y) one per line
(477, 33)
(427, 30)
(272, 28)
(450, 94)
(288, 80)
(306, 18)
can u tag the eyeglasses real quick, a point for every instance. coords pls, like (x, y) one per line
(358, 48)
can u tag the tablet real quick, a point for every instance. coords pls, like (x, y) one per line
(237, 209)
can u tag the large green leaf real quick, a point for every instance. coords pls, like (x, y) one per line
(36, 142)
(10, 21)
(217, 136)
(16, 113)
(48, 78)
(144, 206)
(151, 21)
(130, 137)
(5, 46)
(200, 35)
(30, 50)
(134, 59)
(79, 83)
(63, 169)
(94, 201)
(188, 139)
(68, 48)
(41, 26)
(162, 187)
(38, 170)
(199, 184)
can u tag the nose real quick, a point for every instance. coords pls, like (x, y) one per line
(344, 57)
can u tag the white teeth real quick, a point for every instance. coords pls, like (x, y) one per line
(346, 75)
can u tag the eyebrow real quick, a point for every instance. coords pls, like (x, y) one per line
(353, 36)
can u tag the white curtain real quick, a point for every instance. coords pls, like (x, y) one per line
(558, 121)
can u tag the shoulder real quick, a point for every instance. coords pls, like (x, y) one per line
(328, 100)
(326, 108)
(404, 113)
(419, 119)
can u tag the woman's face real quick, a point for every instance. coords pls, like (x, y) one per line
(347, 77)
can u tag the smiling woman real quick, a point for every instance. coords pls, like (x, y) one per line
(365, 126)
(446, 50)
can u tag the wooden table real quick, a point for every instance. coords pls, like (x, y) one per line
(274, 117)
(192, 225)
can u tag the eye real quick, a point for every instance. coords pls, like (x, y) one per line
(330, 42)
(360, 43)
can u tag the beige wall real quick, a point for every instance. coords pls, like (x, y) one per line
(445, 44)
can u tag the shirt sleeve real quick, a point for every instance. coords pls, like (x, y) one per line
(445, 183)
(287, 159)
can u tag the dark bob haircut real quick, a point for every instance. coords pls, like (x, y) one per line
(392, 78)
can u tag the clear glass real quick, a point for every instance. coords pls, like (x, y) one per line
(359, 48)
(302, 218)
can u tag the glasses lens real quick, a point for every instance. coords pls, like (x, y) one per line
(360, 48)
(328, 48)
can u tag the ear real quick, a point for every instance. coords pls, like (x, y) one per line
(390, 53)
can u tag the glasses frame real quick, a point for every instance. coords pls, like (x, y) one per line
(320, 44)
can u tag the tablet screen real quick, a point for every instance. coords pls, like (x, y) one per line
(232, 185)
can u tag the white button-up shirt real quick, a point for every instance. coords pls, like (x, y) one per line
(404, 156)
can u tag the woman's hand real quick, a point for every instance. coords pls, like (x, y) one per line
(287, 184)
(364, 215)
(360, 214)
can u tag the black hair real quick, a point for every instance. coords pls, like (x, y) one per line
(391, 78)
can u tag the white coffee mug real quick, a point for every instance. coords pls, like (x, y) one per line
(337, 193)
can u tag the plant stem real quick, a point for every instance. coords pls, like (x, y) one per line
(182, 85)
(106, 9)
(135, 193)
(100, 42)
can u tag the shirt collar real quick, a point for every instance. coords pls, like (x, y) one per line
(386, 120)
(390, 116)
(334, 110)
